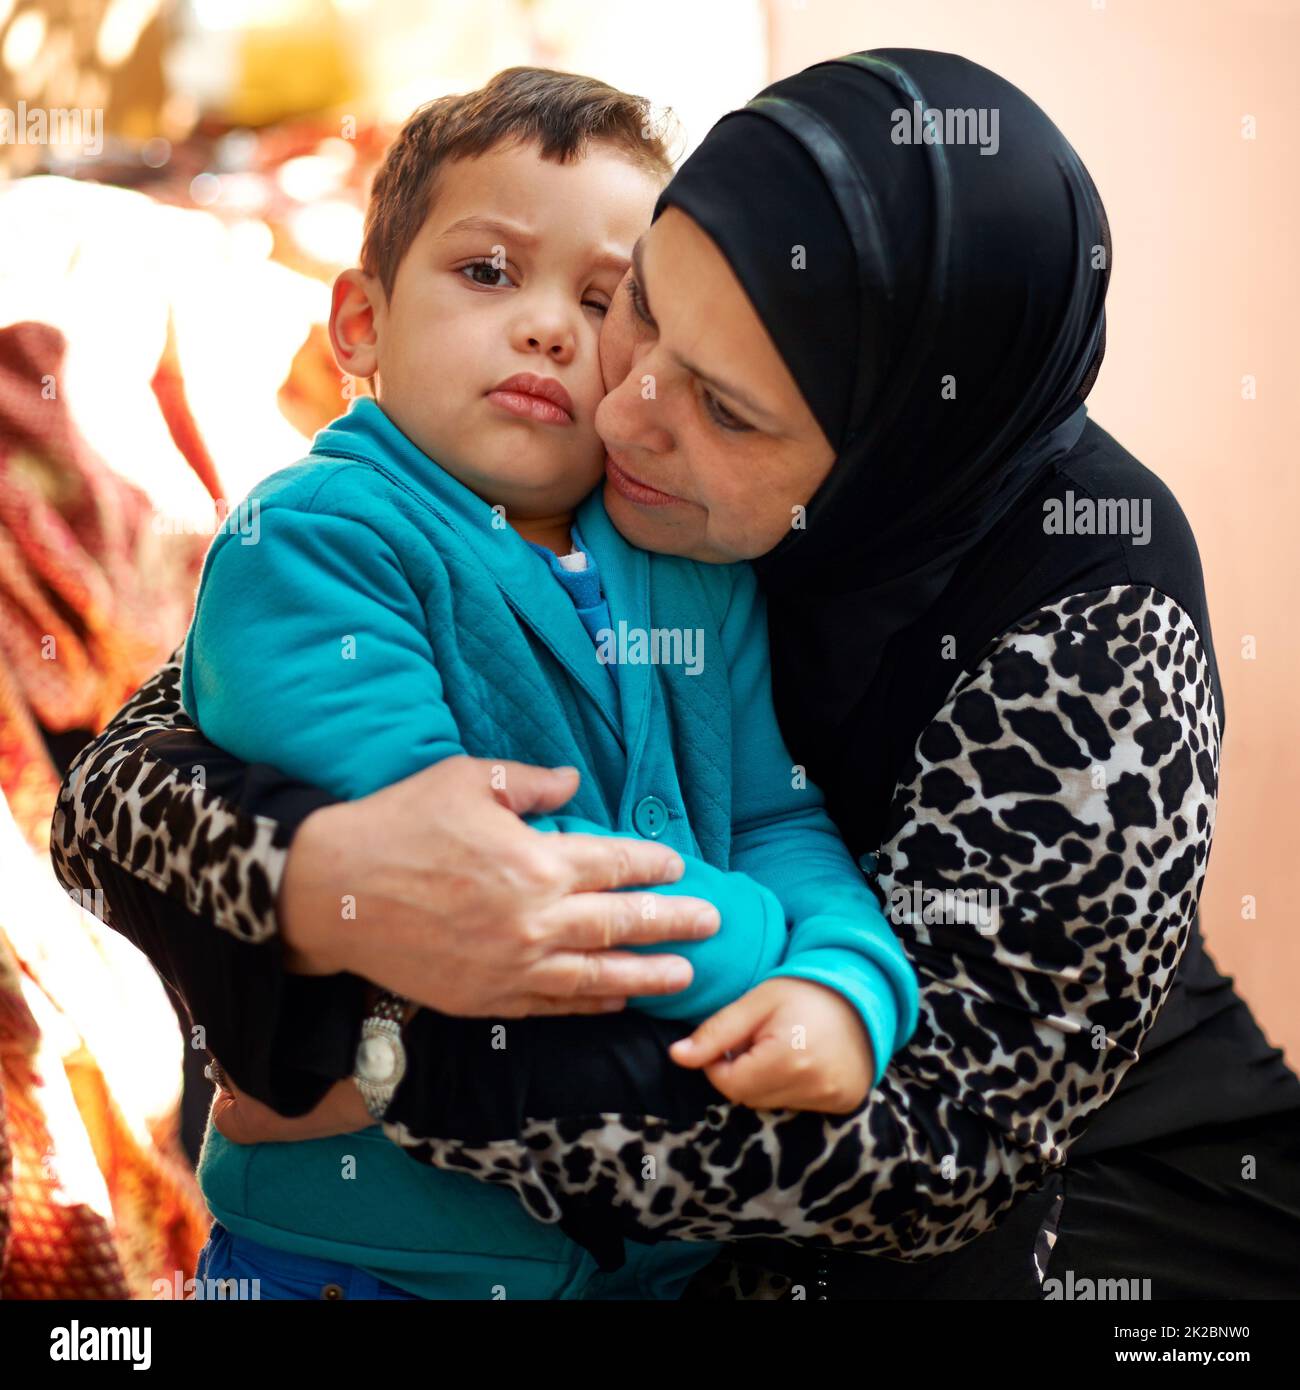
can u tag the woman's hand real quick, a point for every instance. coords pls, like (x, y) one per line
(436, 889)
(244, 1120)
(801, 1045)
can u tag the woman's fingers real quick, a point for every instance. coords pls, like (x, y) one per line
(608, 974)
(601, 921)
(588, 928)
(471, 911)
(599, 863)
(525, 789)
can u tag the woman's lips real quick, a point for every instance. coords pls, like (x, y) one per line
(636, 491)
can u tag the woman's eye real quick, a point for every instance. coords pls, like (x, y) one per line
(639, 307)
(485, 273)
(722, 415)
(598, 304)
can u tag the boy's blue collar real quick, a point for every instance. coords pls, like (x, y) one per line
(367, 435)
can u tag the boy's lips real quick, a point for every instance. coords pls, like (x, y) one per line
(534, 398)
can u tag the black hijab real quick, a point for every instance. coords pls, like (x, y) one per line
(922, 261)
(940, 306)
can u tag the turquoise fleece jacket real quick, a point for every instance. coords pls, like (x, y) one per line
(381, 617)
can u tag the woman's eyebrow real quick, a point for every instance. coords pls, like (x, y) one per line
(734, 392)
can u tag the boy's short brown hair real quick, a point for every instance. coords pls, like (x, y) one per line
(561, 112)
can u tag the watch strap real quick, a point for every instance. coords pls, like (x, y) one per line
(382, 1028)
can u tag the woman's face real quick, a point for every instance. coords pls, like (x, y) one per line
(712, 451)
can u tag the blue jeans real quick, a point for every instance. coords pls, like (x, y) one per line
(650, 1272)
(282, 1274)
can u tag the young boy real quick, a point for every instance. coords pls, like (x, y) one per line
(430, 582)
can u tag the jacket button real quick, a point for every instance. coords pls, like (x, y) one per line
(332, 1291)
(650, 817)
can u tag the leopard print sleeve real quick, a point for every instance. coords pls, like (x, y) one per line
(142, 797)
(1047, 851)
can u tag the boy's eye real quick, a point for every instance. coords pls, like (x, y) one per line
(485, 273)
(495, 277)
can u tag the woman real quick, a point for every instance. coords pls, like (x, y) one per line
(993, 700)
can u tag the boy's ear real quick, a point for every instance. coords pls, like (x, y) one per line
(356, 309)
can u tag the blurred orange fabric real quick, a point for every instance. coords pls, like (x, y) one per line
(95, 1202)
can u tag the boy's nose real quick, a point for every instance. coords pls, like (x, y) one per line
(558, 345)
(545, 331)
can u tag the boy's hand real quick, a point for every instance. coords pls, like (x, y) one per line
(801, 1046)
(244, 1120)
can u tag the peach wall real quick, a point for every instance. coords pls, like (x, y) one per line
(1204, 291)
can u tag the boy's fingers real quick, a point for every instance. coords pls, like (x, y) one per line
(754, 1078)
(726, 1030)
(227, 1118)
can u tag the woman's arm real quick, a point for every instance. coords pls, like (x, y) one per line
(1068, 785)
(228, 877)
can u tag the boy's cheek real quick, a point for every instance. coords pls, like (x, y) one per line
(592, 451)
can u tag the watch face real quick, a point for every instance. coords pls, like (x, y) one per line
(377, 1060)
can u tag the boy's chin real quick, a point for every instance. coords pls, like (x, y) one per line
(560, 482)
(547, 492)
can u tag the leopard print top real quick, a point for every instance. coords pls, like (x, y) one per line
(1071, 778)
(1067, 787)
(144, 815)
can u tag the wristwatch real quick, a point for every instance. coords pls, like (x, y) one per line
(381, 1058)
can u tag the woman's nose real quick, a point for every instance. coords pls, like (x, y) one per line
(631, 415)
